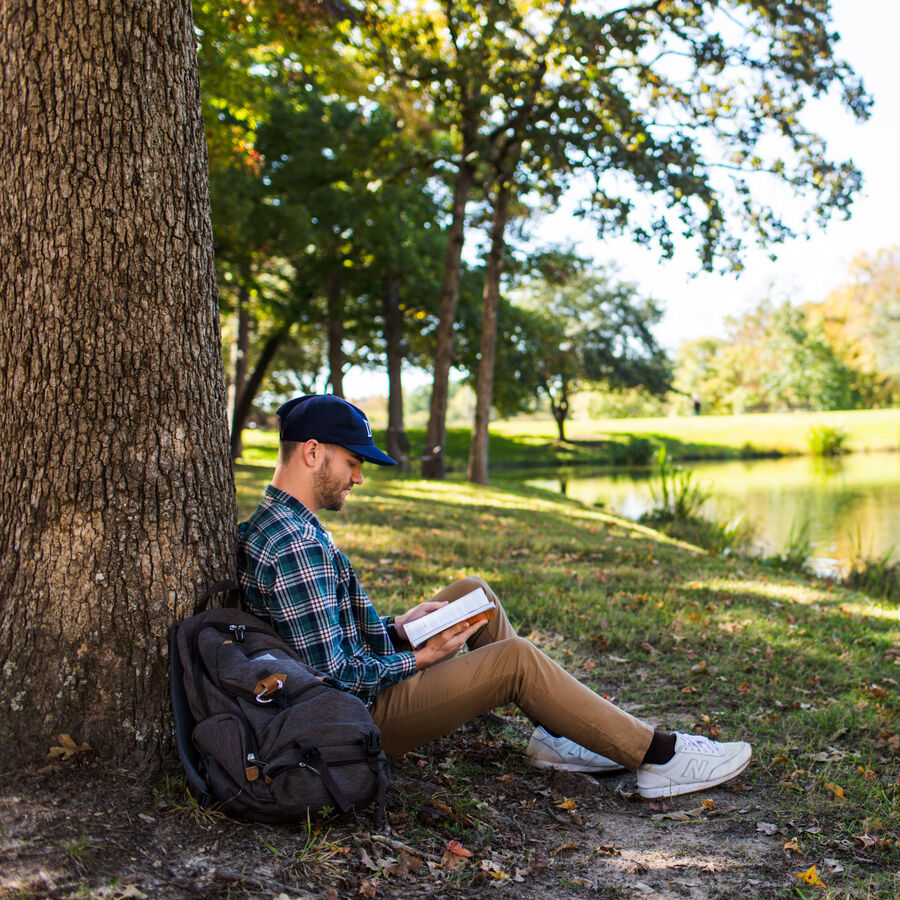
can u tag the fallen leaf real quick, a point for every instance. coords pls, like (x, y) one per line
(707, 804)
(767, 828)
(867, 773)
(792, 844)
(456, 848)
(810, 876)
(689, 689)
(67, 748)
(563, 847)
(367, 861)
(835, 789)
(455, 856)
(492, 869)
(699, 668)
(367, 889)
(567, 803)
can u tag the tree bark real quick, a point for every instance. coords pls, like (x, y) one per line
(397, 442)
(335, 334)
(116, 489)
(478, 451)
(239, 365)
(433, 461)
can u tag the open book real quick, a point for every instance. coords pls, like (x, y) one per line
(472, 607)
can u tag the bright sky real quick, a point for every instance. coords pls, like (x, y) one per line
(805, 269)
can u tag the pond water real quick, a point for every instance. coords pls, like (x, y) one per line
(850, 505)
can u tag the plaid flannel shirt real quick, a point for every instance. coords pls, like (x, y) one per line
(294, 576)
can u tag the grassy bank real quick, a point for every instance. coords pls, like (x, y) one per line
(808, 672)
(532, 443)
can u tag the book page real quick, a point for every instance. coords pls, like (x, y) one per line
(420, 630)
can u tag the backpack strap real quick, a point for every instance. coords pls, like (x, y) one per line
(379, 765)
(314, 761)
(228, 586)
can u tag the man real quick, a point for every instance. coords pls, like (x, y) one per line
(294, 577)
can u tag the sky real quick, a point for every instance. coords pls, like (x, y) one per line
(697, 305)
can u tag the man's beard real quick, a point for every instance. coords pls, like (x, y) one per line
(330, 488)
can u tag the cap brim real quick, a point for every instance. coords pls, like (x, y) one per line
(371, 453)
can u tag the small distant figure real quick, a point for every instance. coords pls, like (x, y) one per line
(696, 401)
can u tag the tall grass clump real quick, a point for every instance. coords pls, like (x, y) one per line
(674, 492)
(796, 553)
(875, 576)
(826, 440)
(678, 510)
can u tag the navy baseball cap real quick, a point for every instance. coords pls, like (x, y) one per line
(330, 420)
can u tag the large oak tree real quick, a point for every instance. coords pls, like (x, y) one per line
(116, 493)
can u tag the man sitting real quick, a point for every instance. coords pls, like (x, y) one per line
(294, 577)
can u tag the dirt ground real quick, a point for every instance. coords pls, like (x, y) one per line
(75, 829)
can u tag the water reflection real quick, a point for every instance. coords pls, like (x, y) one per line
(849, 504)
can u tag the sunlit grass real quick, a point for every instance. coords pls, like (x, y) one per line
(721, 645)
(778, 432)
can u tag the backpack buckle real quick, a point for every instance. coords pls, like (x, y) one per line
(266, 689)
(238, 632)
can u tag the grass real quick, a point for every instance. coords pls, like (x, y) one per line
(716, 437)
(806, 669)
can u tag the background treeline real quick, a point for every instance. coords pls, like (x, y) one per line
(840, 353)
(378, 169)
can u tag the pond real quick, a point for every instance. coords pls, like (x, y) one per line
(850, 505)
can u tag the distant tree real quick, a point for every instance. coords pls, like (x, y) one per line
(116, 491)
(589, 330)
(774, 357)
(861, 320)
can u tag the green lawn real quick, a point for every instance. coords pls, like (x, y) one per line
(807, 671)
(532, 443)
(783, 433)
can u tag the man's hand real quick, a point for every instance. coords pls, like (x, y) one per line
(445, 644)
(416, 613)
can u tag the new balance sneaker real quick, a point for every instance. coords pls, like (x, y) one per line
(698, 763)
(548, 752)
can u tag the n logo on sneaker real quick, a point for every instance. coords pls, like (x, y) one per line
(697, 770)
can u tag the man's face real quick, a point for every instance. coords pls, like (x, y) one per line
(339, 471)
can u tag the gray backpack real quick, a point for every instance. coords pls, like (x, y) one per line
(262, 735)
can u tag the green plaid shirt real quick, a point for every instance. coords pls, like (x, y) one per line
(294, 577)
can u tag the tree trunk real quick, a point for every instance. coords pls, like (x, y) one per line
(252, 386)
(116, 490)
(560, 410)
(335, 334)
(433, 464)
(478, 452)
(397, 443)
(239, 364)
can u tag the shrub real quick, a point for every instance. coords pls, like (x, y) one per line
(827, 441)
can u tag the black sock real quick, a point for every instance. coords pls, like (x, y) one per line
(661, 749)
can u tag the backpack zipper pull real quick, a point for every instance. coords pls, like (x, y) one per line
(238, 632)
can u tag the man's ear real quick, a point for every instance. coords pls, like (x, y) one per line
(312, 451)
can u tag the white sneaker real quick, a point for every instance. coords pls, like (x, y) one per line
(548, 752)
(698, 763)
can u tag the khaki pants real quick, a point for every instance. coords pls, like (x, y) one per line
(500, 668)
